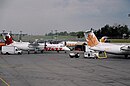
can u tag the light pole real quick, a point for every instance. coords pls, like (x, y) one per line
(56, 34)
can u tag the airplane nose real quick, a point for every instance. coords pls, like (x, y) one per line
(66, 48)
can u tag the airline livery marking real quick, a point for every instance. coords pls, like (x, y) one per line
(53, 49)
(92, 40)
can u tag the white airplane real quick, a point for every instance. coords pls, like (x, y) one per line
(54, 47)
(95, 45)
(21, 45)
(34, 46)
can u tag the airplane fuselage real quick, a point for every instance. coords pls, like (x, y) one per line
(53, 47)
(41, 46)
(111, 48)
(22, 45)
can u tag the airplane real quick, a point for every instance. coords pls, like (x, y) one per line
(2, 43)
(66, 43)
(21, 45)
(110, 48)
(54, 47)
(35, 46)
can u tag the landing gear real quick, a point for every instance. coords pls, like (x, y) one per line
(35, 52)
(28, 52)
(126, 56)
(41, 51)
(58, 51)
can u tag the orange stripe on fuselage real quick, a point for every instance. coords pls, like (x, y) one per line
(2, 44)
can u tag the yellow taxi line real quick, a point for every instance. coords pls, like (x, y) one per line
(4, 82)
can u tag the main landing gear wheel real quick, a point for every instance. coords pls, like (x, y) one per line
(28, 52)
(126, 56)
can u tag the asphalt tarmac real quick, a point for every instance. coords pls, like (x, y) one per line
(58, 69)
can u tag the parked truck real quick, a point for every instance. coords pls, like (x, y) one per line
(10, 50)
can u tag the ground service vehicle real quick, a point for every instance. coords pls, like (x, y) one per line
(89, 53)
(10, 50)
(72, 55)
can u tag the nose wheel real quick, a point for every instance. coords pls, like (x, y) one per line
(126, 56)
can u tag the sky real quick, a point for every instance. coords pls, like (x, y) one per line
(43, 16)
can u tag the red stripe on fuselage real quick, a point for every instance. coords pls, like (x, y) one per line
(53, 49)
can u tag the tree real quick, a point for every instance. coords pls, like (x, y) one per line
(72, 33)
(115, 31)
(80, 34)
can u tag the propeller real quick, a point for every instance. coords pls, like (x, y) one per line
(45, 45)
(34, 44)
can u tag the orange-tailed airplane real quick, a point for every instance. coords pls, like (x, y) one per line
(95, 45)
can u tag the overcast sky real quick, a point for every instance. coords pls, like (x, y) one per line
(42, 16)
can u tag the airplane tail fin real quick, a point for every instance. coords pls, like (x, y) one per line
(91, 38)
(103, 39)
(8, 39)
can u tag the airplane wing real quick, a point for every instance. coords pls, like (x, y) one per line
(33, 45)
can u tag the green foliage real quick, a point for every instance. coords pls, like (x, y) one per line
(79, 34)
(72, 33)
(115, 31)
(119, 40)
